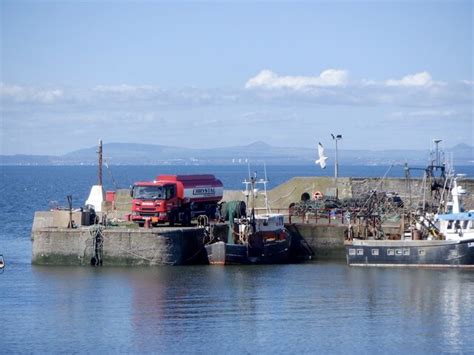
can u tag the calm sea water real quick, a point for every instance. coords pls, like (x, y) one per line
(315, 307)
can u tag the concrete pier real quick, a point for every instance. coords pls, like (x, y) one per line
(119, 247)
(123, 246)
(325, 241)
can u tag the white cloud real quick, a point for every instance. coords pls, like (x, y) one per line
(368, 82)
(156, 96)
(122, 89)
(330, 88)
(422, 79)
(24, 94)
(268, 79)
(426, 113)
(333, 87)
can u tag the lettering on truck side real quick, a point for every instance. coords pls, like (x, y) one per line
(209, 191)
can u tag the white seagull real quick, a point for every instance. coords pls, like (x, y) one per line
(322, 159)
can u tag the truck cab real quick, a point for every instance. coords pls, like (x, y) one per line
(153, 200)
(175, 198)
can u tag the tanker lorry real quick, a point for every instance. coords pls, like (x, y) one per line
(175, 199)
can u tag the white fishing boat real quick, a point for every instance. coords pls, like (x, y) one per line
(443, 239)
(456, 223)
(451, 244)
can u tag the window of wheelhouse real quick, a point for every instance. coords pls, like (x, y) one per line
(450, 224)
(465, 224)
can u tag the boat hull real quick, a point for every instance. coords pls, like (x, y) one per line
(220, 253)
(410, 253)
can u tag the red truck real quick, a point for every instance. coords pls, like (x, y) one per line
(175, 199)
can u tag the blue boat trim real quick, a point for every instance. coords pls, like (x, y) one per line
(462, 216)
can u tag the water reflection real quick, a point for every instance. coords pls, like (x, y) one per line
(457, 308)
(434, 307)
(187, 301)
(292, 308)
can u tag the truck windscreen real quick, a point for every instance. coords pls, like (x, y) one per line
(148, 192)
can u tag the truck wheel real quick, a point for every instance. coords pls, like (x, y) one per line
(141, 224)
(172, 219)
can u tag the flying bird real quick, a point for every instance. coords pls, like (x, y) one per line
(322, 159)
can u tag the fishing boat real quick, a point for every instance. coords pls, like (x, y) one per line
(444, 239)
(252, 238)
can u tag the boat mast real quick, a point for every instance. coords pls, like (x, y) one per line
(424, 192)
(335, 138)
(253, 179)
(100, 162)
(248, 188)
(265, 182)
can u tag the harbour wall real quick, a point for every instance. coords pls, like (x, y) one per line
(121, 246)
(321, 242)
(117, 245)
(410, 190)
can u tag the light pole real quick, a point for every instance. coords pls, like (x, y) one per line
(336, 163)
(437, 156)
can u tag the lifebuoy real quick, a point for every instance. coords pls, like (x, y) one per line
(317, 195)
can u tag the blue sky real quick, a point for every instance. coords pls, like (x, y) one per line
(386, 75)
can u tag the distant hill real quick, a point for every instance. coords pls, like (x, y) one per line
(258, 152)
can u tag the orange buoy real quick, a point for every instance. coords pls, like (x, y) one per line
(317, 195)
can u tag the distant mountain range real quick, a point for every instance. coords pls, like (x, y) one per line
(258, 152)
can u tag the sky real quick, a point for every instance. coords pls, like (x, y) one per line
(384, 74)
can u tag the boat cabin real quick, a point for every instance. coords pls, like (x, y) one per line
(457, 226)
(269, 222)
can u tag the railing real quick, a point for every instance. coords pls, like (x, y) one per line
(327, 217)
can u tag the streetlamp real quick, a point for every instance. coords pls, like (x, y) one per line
(437, 155)
(336, 163)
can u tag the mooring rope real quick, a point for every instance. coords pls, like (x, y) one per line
(97, 244)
